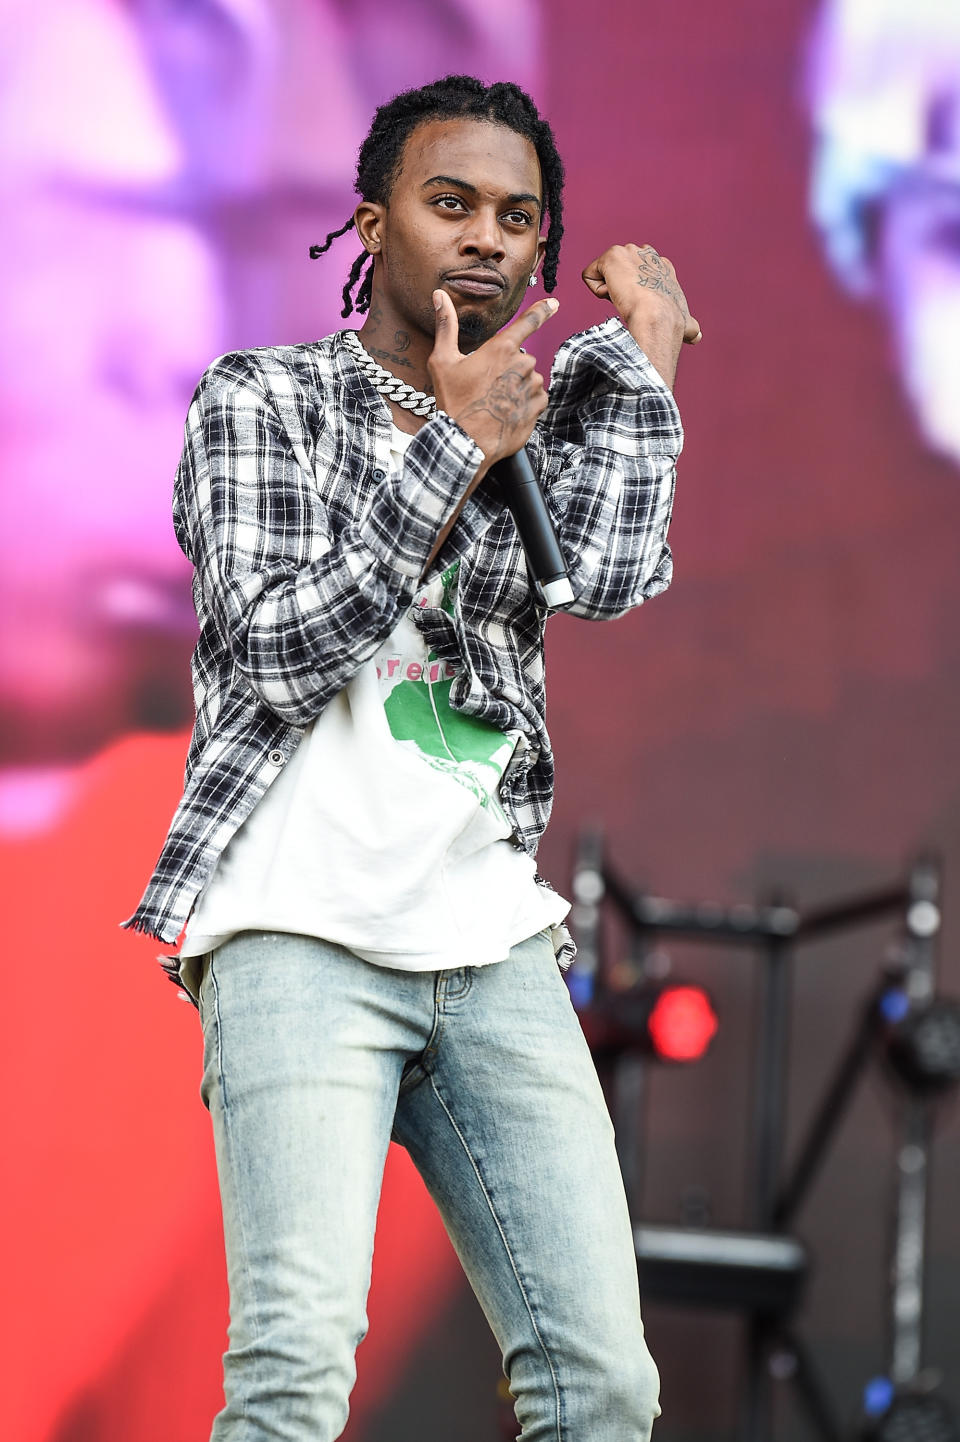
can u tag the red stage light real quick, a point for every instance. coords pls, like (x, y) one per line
(682, 1023)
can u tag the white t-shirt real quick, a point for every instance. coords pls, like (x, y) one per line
(384, 831)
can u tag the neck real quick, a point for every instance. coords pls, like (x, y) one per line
(398, 347)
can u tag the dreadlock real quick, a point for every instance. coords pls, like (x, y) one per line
(457, 97)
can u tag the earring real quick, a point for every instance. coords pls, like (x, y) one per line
(532, 280)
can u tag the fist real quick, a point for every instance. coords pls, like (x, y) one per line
(644, 287)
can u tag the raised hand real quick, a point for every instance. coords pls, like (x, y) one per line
(495, 393)
(643, 286)
(637, 278)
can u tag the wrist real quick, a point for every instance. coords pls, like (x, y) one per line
(663, 323)
(661, 346)
(475, 432)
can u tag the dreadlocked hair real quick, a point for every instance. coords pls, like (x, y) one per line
(456, 97)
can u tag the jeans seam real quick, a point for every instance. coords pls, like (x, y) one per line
(216, 1012)
(510, 1257)
(436, 1031)
(228, 1141)
(464, 988)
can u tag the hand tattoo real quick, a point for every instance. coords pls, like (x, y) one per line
(653, 274)
(504, 400)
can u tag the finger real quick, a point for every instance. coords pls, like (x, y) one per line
(692, 334)
(531, 320)
(596, 285)
(446, 342)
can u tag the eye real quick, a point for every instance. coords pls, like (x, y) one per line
(447, 202)
(518, 217)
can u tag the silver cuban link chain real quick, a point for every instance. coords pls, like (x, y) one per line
(386, 382)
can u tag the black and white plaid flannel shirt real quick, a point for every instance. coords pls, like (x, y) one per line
(306, 552)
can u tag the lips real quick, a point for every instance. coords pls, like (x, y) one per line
(476, 283)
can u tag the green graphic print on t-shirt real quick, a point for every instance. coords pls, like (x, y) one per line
(419, 714)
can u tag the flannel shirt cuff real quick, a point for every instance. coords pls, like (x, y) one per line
(411, 509)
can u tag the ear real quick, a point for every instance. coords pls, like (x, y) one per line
(541, 252)
(368, 218)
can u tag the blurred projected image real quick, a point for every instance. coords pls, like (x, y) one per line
(884, 86)
(163, 169)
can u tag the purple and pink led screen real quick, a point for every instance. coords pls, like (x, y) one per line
(884, 92)
(164, 168)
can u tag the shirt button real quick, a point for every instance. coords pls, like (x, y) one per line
(379, 474)
(276, 758)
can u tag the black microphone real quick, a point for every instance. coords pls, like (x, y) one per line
(522, 493)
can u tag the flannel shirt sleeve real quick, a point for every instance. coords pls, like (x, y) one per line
(298, 608)
(610, 482)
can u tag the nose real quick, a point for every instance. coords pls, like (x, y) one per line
(483, 237)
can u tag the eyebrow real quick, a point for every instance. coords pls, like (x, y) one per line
(472, 189)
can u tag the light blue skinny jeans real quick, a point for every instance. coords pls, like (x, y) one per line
(312, 1059)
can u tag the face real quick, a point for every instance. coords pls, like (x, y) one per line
(464, 215)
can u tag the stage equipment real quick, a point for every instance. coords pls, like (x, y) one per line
(761, 1270)
(908, 1416)
(682, 1023)
(923, 1047)
(672, 1022)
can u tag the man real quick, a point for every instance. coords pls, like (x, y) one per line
(370, 774)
